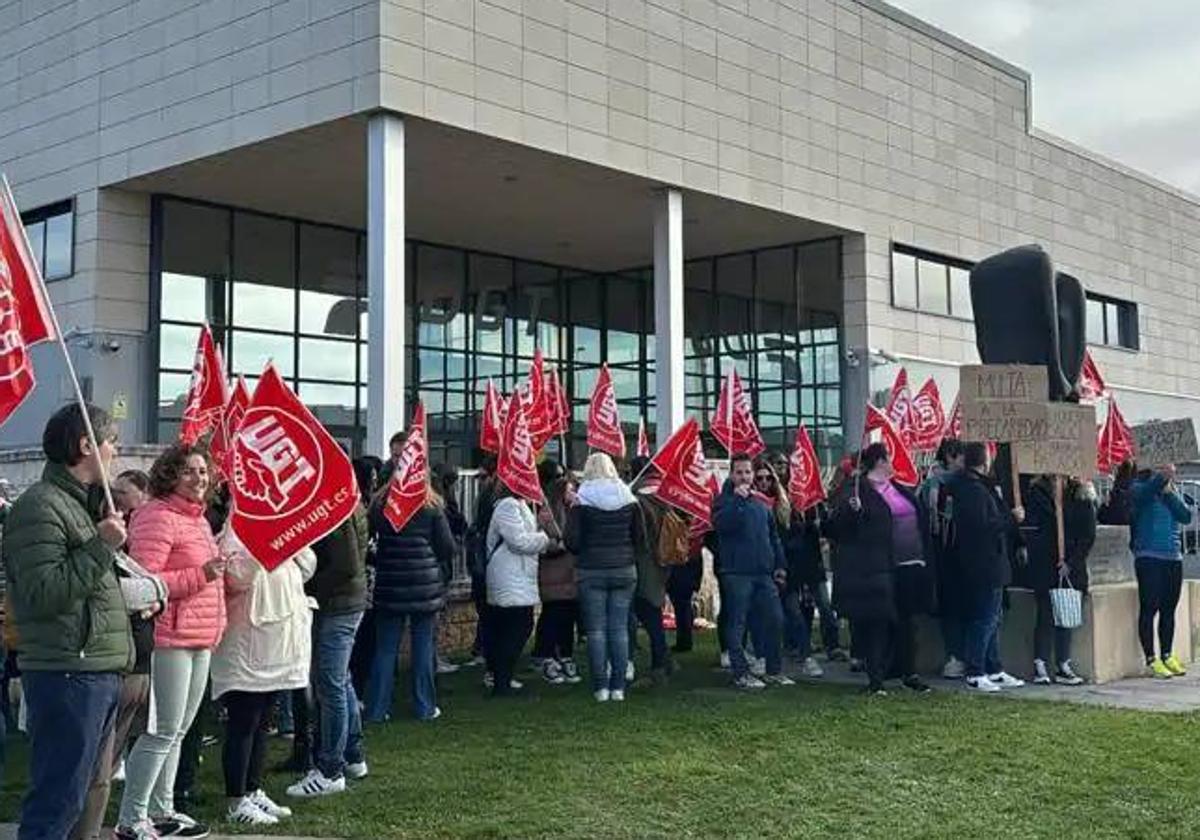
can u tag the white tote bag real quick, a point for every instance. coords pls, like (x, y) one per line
(1067, 602)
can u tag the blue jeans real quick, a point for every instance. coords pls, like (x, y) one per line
(340, 730)
(753, 595)
(798, 619)
(70, 715)
(981, 632)
(604, 600)
(389, 626)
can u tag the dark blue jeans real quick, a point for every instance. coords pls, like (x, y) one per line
(798, 619)
(69, 716)
(340, 730)
(389, 626)
(753, 596)
(981, 633)
(604, 600)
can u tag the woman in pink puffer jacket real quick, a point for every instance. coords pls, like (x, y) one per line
(170, 537)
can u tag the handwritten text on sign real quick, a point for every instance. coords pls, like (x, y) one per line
(1003, 403)
(1165, 442)
(1068, 446)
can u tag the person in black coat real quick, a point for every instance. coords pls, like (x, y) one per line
(982, 532)
(881, 577)
(1046, 570)
(410, 586)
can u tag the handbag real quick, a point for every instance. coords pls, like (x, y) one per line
(1067, 604)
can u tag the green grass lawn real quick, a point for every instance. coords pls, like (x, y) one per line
(697, 759)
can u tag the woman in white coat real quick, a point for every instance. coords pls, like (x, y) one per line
(514, 540)
(266, 649)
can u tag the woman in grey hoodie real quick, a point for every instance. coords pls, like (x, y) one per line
(605, 530)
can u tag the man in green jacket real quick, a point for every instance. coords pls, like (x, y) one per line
(72, 627)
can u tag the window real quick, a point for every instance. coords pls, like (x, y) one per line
(1112, 322)
(51, 232)
(931, 283)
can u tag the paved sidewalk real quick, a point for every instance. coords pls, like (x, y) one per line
(1181, 694)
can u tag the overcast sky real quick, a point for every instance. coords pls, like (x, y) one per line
(1119, 77)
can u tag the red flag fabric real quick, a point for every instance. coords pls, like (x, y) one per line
(556, 401)
(1091, 385)
(954, 424)
(686, 483)
(24, 274)
(928, 418)
(208, 391)
(408, 489)
(515, 466)
(804, 474)
(732, 423)
(643, 443)
(900, 408)
(220, 448)
(25, 317)
(490, 425)
(291, 484)
(604, 418)
(1115, 445)
(538, 413)
(902, 463)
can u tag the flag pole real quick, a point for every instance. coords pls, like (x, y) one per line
(61, 341)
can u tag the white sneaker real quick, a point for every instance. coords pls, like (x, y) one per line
(982, 684)
(119, 773)
(356, 770)
(1066, 675)
(812, 668)
(778, 679)
(617, 695)
(1006, 680)
(516, 685)
(602, 695)
(1041, 675)
(315, 784)
(725, 660)
(245, 812)
(570, 672)
(445, 666)
(265, 804)
(475, 661)
(954, 669)
(630, 672)
(141, 830)
(749, 682)
(552, 672)
(758, 667)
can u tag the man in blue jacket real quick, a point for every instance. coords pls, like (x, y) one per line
(752, 562)
(1158, 511)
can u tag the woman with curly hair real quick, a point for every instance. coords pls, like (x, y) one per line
(171, 539)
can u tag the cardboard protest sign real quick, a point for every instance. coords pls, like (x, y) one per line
(1165, 442)
(1067, 445)
(1003, 403)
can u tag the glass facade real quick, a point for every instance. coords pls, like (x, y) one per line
(295, 293)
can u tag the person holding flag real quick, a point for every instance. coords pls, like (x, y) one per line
(752, 565)
(413, 544)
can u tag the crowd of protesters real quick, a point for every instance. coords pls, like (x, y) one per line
(125, 622)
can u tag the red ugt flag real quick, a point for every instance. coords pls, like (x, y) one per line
(902, 463)
(539, 414)
(687, 483)
(1116, 440)
(25, 318)
(207, 393)
(732, 423)
(900, 407)
(929, 418)
(643, 444)
(954, 424)
(409, 488)
(220, 447)
(490, 425)
(604, 419)
(804, 474)
(1091, 384)
(291, 484)
(515, 466)
(556, 398)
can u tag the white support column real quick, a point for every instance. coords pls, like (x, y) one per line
(385, 280)
(668, 313)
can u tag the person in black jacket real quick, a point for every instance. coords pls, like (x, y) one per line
(605, 530)
(1047, 571)
(982, 533)
(752, 565)
(881, 577)
(409, 587)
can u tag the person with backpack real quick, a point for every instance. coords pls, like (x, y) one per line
(1158, 511)
(683, 581)
(936, 500)
(982, 533)
(554, 639)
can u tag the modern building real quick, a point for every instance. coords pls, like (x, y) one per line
(403, 198)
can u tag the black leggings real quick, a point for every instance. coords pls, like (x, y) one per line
(1044, 631)
(245, 746)
(1159, 585)
(508, 630)
(555, 637)
(887, 648)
